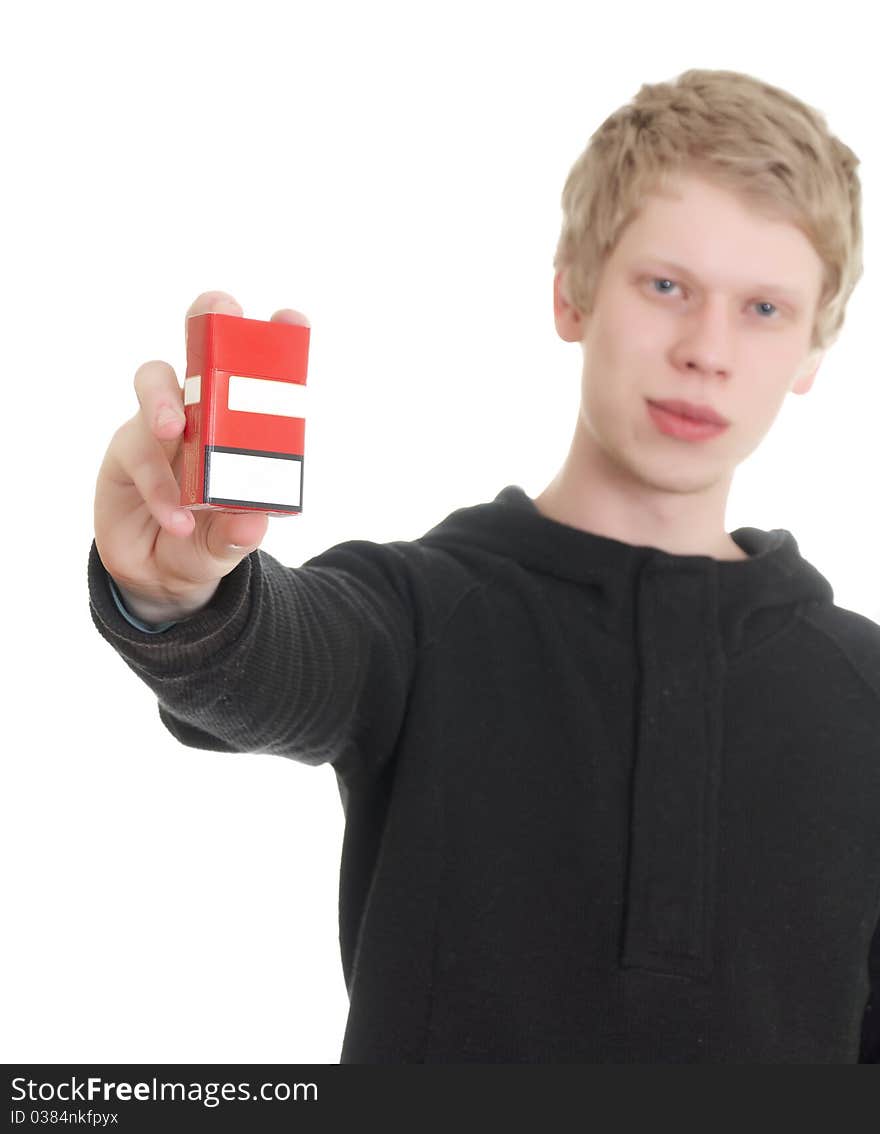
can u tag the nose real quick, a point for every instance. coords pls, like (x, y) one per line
(705, 341)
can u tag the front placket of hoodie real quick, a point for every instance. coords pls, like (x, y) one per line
(676, 772)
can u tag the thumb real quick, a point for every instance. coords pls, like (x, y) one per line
(230, 536)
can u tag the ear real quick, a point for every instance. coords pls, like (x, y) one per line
(570, 321)
(807, 373)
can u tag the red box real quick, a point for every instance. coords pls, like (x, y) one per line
(244, 399)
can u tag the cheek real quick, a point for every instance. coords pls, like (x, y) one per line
(635, 346)
(638, 324)
(607, 396)
(767, 407)
(623, 367)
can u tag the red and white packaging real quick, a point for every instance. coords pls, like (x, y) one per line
(244, 399)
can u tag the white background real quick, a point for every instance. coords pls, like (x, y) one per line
(393, 170)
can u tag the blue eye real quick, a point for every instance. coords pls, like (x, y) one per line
(667, 291)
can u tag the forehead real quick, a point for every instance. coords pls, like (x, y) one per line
(707, 233)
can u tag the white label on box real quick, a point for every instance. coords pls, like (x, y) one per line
(192, 390)
(264, 395)
(249, 478)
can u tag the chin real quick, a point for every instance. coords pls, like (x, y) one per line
(677, 475)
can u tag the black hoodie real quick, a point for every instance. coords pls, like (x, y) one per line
(604, 804)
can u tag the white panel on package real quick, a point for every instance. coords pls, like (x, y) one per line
(263, 395)
(251, 478)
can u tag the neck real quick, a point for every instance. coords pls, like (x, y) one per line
(667, 510)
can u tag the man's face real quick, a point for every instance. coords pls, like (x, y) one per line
(716, 333)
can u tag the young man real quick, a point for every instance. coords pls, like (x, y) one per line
(611, 774)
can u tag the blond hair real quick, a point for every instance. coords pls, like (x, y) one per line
(741, 134)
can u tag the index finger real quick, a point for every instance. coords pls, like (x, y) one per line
(212, 301)
(288, 315)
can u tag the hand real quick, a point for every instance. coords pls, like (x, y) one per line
(166, 560)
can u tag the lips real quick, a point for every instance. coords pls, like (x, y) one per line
(692, 411)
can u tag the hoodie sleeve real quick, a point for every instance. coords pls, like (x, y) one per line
(870, 1045)
(313, 663)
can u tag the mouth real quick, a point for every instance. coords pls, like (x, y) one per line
(682, 426)
(690, 411)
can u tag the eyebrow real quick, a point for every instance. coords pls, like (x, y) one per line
(774, 289)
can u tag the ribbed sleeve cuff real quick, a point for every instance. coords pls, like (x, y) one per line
(189, 643)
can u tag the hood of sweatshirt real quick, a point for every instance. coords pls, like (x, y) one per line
(744, 599)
